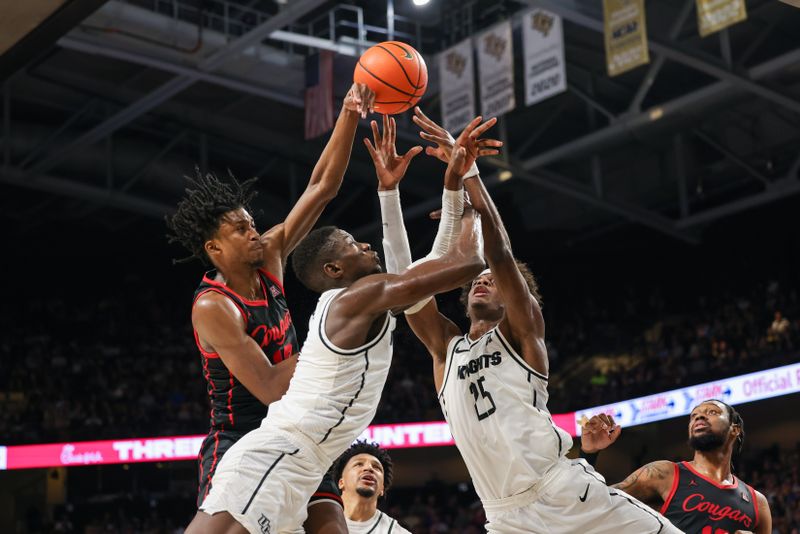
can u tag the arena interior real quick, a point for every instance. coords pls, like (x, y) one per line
(658, 209)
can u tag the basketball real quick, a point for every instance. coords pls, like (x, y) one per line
(396, 72)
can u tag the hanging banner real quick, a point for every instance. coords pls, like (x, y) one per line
(543, 41)
(715, 15)
(457, 86)
(496, 70)
(625, 35)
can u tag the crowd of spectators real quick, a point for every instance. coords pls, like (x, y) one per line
(434, 508)
(723, 335)
(126, 365)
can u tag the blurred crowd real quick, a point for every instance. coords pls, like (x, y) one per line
(434, 508)
(127, 366)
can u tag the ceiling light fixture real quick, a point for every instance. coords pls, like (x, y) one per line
(420, 2)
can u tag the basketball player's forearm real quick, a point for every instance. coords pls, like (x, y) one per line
(432, 277)
(469, 246)
(329, 170)
(496, 244)
(281, 376)
(396, 250)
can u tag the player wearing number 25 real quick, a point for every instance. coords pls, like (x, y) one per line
(492, 387)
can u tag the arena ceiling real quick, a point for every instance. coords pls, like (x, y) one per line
(103, 118)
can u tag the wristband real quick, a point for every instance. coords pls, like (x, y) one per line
(472, 172)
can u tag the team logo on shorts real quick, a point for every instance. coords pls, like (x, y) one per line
(263, 521)
(275, 291)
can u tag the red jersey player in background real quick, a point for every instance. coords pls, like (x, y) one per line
(701, 496)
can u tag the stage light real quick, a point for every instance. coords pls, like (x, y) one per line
(505, 175)
(420, 2)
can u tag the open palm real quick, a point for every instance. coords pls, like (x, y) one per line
(390, 167)
(469, 138)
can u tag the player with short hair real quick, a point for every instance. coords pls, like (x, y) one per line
(364, 475)
(701, 496)
(492, 387)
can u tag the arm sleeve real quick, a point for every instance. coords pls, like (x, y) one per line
(449, 224)
(396, 250)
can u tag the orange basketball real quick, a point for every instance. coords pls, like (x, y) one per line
(396, 72)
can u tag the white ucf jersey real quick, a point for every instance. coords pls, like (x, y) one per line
(379, 523)
(334, 393)
(496, 406)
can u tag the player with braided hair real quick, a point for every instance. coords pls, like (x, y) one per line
(701, 496)
(242, 325)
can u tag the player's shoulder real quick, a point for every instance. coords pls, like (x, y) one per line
(214, 304)
(761, 499)
(664, 465)
(659, 470)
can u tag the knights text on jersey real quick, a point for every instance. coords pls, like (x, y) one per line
(699, 505)
(334, 392)
(269, 323)
(496, 407)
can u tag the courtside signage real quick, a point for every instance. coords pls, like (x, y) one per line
(676, 403)
(679, 402)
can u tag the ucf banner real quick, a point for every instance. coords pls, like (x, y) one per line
(458, 86)
(625, 35)
(496, 68)
(543, 41)
(715, 15)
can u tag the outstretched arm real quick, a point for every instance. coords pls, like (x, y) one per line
(523, 323)
(390, 168)
(431, 327)
(219, 328)
(373, 295)
(326, 178)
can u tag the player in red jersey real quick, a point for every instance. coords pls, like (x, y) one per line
(240, 316)
(701, 496)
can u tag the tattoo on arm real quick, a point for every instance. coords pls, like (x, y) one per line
(644, 482)
(628, 482)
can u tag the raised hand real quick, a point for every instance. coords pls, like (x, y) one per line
(455, 168)
(470, 139)
(599, 433)
(361, 99)
(389, 165)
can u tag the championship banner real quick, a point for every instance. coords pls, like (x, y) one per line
(496, 70)
(457, 86)
(625, 35)
(715, 15)
(543, 42)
